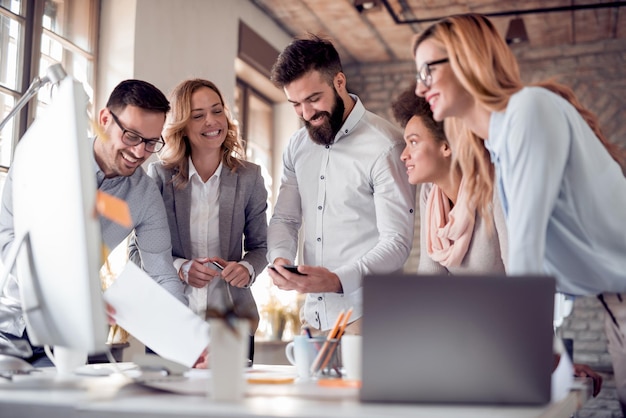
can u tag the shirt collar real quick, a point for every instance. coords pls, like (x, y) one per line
(192, 170)
(96, 168)
(353, 118)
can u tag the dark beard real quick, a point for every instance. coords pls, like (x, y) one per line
(325, 133)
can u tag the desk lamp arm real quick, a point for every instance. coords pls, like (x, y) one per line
(54, 74)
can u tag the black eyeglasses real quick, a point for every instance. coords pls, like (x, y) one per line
(424, 75)
(133, 139)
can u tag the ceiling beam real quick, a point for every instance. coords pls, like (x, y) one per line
(573, 7)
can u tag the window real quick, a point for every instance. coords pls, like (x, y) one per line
(35, 34)
(255, 113)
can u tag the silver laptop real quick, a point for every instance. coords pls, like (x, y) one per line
(457, 339)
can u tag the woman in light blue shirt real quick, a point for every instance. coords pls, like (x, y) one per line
(561, 186)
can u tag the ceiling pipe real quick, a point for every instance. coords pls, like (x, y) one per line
(570, 8)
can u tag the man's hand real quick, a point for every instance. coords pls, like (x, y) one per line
(203, 360)
(196, 274)
(312, 280)
(110, 314)
(234, 273)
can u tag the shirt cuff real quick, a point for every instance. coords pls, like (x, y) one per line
(350, 279)
(178, 263)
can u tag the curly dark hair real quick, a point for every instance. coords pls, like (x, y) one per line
(407, 105)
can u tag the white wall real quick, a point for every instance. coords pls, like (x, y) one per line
(172, 40)
(116, 46)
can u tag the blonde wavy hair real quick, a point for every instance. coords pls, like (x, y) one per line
(175, 154)
(487, 68)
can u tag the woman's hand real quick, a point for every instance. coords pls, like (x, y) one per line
(582, 370)
(234, 273)
(196, 273)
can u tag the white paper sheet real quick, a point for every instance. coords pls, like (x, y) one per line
(156, 318)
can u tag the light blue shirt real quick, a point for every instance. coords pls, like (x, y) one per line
(356, 206)
(147, 212)
(563, 195)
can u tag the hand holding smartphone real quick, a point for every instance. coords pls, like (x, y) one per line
(291, 268)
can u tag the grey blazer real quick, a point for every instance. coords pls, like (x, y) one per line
(242, 217)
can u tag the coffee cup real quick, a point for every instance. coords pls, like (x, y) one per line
(66, 360)
(351, 356)
(303, 353)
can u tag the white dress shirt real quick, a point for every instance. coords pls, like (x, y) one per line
(204, 229)
(205, 238)
(356, 204)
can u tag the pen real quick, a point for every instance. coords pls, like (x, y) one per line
(217, 265)
(308, 332)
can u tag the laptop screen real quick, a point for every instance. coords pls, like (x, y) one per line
(457, 339)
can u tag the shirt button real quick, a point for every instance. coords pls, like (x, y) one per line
(346, 131)
(319, 239)
(320, 298)
(322, 177)
(327, 146)
(410, 210)
(319, 207)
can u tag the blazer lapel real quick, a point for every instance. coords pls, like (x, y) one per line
(183, 209)
(228, 190)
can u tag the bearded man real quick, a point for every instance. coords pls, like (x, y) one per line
(344, 182)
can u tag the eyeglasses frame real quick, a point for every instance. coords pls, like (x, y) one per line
(428, 80)
(146, 141)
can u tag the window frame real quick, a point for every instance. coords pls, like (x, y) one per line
(30, 17)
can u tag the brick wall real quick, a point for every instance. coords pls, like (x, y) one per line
(597, 73)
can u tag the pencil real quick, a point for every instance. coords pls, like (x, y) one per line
(342, 329)
(340, 332)
(331, 335)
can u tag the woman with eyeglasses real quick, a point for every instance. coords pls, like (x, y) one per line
(456, 236)
(216, 203)
(560, 183)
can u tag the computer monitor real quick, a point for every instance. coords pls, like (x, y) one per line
(57, 228)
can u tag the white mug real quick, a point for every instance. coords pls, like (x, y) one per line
(66, 360)
(301, 352)
(351, 357)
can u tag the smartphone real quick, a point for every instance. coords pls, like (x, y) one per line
(291, 268)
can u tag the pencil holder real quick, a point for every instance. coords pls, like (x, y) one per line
(327, 362)
(309, 356)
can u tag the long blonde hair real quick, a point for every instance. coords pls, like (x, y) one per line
(487, 68)
(177, 149)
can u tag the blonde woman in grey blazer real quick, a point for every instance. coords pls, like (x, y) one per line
(216, 203)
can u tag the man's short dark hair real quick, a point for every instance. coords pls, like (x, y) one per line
(140, 94)
(303, 55)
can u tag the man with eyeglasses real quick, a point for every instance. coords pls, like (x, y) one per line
(130, 125)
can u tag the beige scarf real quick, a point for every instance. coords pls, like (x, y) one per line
(448, 231)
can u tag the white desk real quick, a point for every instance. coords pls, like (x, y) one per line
(296, 400)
